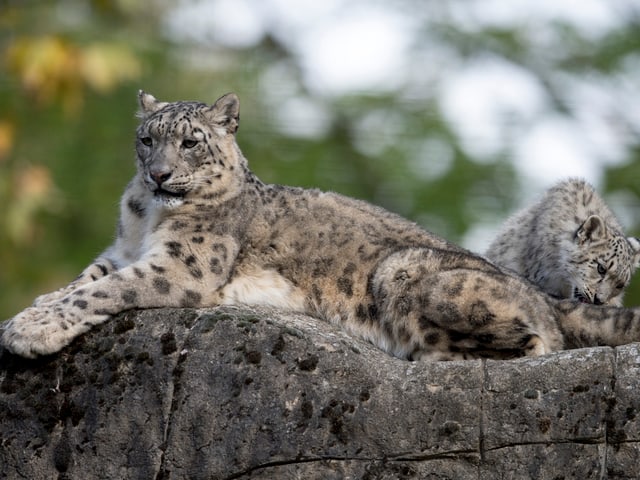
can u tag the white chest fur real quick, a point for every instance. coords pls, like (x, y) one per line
(254, 286)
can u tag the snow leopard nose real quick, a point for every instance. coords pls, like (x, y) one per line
(597, 301)
(160, 175)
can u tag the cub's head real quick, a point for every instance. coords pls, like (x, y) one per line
(603, 262)
(186, 151)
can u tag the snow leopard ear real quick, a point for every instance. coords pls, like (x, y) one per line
(591, 230)
(226, 112)
(635, 246)
(148, 104)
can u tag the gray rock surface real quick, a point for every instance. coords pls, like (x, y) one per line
(234, 393)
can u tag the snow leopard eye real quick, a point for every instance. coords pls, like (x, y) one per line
(189, 143)
(602, 270)
(146, 141)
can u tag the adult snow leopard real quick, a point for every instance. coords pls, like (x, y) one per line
(570, 244)
(198, 228)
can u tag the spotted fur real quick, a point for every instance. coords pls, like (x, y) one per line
(570, 244)
(198, 228)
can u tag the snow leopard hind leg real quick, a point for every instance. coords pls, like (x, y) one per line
(449, 305)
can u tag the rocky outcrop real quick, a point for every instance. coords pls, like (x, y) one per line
(234, 393)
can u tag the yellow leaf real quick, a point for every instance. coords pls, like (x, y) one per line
(7, 134)
(34, 183)
(47, 66)
(104, 65)
(35, 192)
(53, 69)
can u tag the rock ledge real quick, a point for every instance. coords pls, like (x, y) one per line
(236, 393)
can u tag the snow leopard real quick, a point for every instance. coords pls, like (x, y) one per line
(570, 244)
(199, 229)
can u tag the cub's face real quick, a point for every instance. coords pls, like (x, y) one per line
(186, 151)
(603, 269)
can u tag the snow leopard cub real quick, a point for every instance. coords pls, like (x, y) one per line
(570, 244)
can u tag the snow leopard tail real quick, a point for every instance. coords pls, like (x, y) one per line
(585, 325)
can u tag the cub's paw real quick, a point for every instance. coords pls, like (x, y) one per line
(40, 331)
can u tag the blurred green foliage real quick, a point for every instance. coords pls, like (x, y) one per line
(69, 72)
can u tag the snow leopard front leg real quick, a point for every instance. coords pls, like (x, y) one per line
(180, 275)
(101, 267)
(131, 228)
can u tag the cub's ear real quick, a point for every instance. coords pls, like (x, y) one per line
(635, 246)
(148, 104)
(592, 230)
(226, 112)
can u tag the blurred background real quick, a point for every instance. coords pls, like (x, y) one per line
(453, 114)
